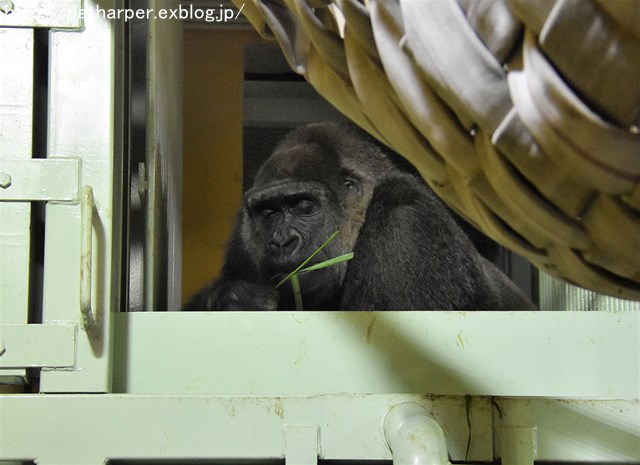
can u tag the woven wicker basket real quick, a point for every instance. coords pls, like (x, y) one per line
(523, 116)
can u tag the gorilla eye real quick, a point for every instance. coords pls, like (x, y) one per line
(305, 207)
(268, 212)
(349, 182)
(264, 211)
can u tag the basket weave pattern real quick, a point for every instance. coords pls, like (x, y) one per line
(523, 116)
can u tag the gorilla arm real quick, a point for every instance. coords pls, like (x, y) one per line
(499, 292)
(397, 265)
(411, 255)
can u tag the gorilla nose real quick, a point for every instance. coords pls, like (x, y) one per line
(284, 242)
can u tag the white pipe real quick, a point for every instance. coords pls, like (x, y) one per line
(414, 437)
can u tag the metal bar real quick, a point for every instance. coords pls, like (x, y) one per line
(16, 140)
(87, 206)
(163, 240)
(37, 346)
(183, 428)
(52, 179)
(83, 122)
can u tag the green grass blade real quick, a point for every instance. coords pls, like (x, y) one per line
(297, 294)
(294, 272)
(330, 262)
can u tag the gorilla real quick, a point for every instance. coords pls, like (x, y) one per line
(408, 251)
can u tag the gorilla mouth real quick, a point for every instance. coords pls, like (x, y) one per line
(307, 280)
(277, 270)
(280, 267)
(286, 263)
(279, 263)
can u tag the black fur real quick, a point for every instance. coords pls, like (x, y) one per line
(409, 253)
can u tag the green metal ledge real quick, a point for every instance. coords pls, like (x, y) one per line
(592, 355)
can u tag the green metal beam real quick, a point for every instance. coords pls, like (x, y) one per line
(543, 354)
(92, 429)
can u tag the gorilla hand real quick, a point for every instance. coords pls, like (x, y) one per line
(242, 295)
(236, 296)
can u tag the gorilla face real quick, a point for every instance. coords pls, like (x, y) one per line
(301, 196)
(288, 220)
